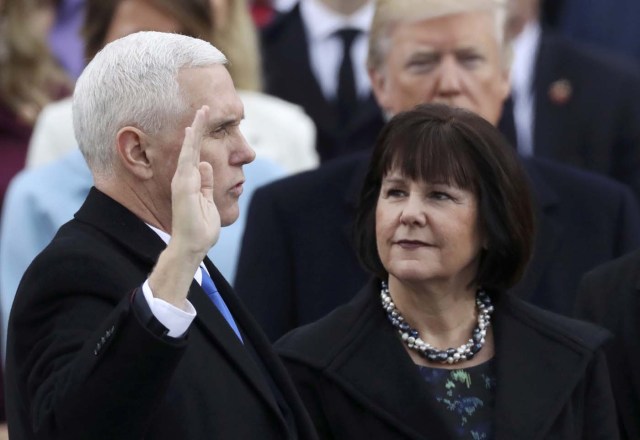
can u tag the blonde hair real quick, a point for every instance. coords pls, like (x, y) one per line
(30, 77)
(388, 13)
(237, 38)
(236, 35)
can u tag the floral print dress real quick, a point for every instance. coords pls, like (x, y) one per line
(464, 398)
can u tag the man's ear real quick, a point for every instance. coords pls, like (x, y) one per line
(132, 144)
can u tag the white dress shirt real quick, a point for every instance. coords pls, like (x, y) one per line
(325, 48)
(525, 51)
(176, 320)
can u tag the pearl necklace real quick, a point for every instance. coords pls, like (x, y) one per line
(411, 337)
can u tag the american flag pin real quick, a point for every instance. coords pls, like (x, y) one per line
(560, 91)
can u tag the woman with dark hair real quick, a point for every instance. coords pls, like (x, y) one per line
(433, 347)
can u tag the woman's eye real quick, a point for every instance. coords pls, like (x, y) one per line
(393, 192)
(439, 195)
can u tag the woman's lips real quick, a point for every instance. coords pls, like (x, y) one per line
(412, 244)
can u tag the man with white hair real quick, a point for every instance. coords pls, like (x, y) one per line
(111, 335)
(297, 261)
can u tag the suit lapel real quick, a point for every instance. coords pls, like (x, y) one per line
(292, 78)
(548, 232)
(273, 366)
(555, 122)
(212, 323)
(396, 393)
(114, 220)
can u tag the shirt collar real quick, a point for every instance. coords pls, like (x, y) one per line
(322, 22)
(166, 238)
(525, 47)
(163, 235)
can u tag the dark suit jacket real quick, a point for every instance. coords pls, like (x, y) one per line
(82, 364)
(598, 127)
(611, 24)
(297, 262)
(358, 381)
(610, 296)
(288, 75)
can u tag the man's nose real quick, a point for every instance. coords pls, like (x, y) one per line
(243, 153)
(449, 77)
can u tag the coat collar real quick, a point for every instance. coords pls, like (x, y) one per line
(535, 357)
(395, 392)
(122, 226)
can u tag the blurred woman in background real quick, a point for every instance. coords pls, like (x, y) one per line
(30, 78)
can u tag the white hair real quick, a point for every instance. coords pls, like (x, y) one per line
(388, 13)
(133, 82)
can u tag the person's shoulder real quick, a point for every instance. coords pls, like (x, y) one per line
(567, 178)
(280, 24)
(50, 187)
(320, 342)
(60, 110)
(589, 59)
(628, 264)
(279, 130)
(573, 333)
(329, 175)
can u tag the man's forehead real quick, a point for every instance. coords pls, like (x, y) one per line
(398, 10)
(469, 30)
(228, 109)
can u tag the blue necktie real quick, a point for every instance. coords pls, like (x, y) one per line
(214, 295)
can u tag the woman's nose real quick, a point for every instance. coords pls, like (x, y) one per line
(413, 212)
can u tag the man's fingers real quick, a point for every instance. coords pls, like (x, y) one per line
(190, 152)
(206, 180)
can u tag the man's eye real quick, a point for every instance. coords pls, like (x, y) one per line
(422, 64)
(221, 131)
(470, 60)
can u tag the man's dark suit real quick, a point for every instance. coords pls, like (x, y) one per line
(297, 262)
(358, 382)
(610, 24)
(84, 364)
(596, 124)
(610, 296)
(288, 75)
